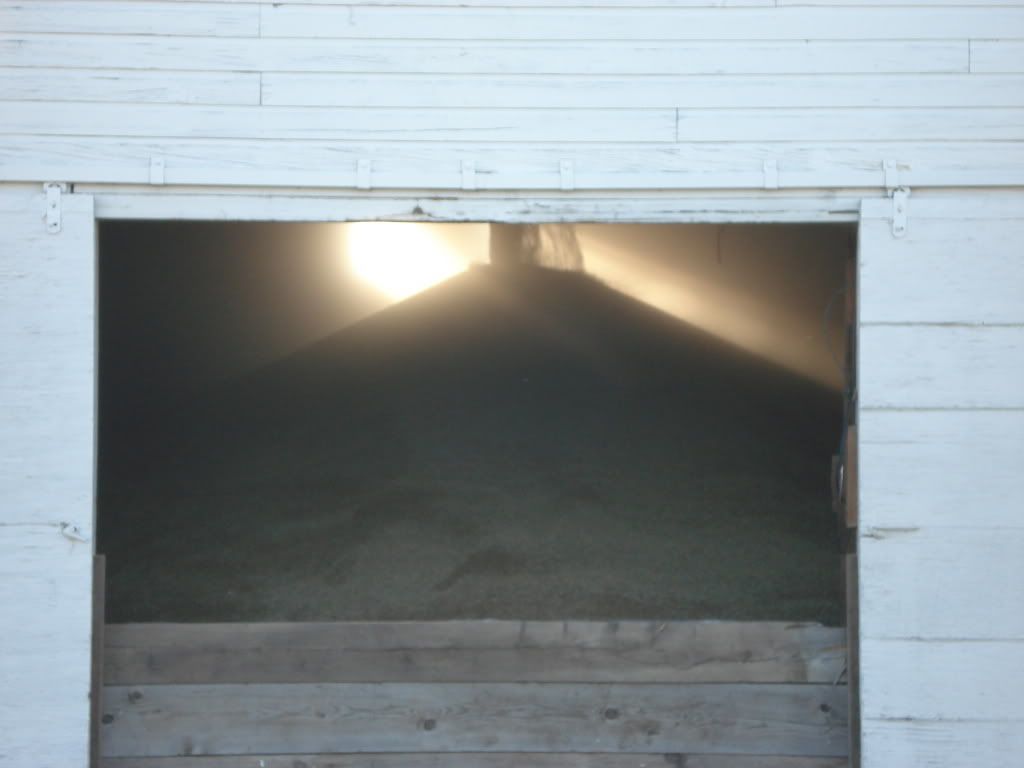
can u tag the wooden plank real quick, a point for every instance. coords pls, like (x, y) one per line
(978, 207)
(852, 478)
(306, 205)
(47, 304)
(951, 583)
(994, 671)
(997, 55)
(933, 366)
(52, 84)
(421, 165)
(581, 91)
(941, 469)
(942, 744)
(552, 3)
(99, 590)
(941, 270)
(492, 717)
(497, 57)
(47, 318)
(300, 123)
(851, 565)
(640, 23)
(118, 17)
(480, 760)
(1002, 124)
(45, 586)
(473, 652)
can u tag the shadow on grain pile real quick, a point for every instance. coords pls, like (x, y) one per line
(514, 443)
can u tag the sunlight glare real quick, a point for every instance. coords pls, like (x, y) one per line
(400, 259)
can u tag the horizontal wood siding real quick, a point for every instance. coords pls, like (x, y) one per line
(488, 688)
(47, 311)
(478, 651)
(941, 445)
(479, 760)
(491, 717)
(674, 94)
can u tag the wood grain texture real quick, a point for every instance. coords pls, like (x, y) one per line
(46, 463)
(942, 744)
(480, 760)
(496, 57)
(640, 23)
(148, 17)
(941, 366)
(47, 311)
(300, 123)
(994, 670)
(941, 469)
(493, 717)
(941, 270)
(45, 601)
(942, 583)
(306, 205)
(684, 91)
(478, 651)
(424, 166)
(133, 86)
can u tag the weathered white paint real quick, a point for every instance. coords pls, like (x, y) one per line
(941, 443)
(916, 461)
(425, 166)
(673, 110)
(918, 576)
(494, 57)
(46, 479)
(132, 86)
(942, 366)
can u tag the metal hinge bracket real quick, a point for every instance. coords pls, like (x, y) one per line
(900, 203)
(53, 191)
(900, 195)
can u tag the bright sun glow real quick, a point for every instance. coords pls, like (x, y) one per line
(400, 259)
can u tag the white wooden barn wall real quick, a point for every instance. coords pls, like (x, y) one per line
(941, 451)
(513, 94)
(549, 98)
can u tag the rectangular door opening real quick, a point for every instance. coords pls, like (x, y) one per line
(475, 489)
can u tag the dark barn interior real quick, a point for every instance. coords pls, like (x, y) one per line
(567, 422)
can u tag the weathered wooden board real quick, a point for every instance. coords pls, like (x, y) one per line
(130, 85)
(974, 208)
(300, 123)
(47, 305)
(997, 55)
(47, 314)
(992, 669)
(306, 205)
(582, 91)
(480, 760)
(917, 574)
(518, 125)
(492, 56)
(45, 602)
(117, 17)
(943, 744)
(641, 23)
(479, 651)
(491, 717)
(941, 366)
(940, 273)
(913, 470)
(423, 165)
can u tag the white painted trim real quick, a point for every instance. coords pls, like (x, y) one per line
(468, 207)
